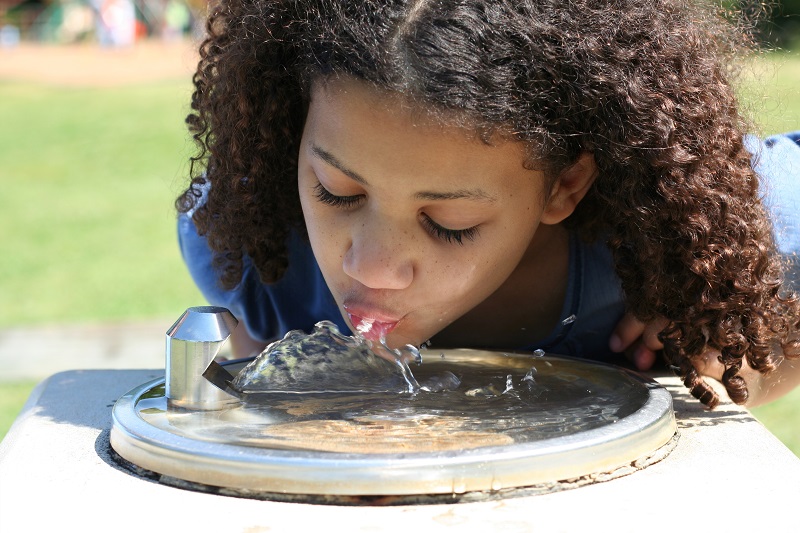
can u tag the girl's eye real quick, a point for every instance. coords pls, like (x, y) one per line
(440, 232)
(326, 197)
(449, 235)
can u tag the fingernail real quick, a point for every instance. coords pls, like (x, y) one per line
(615, 343)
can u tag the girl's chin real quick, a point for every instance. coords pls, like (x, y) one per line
(398, 341)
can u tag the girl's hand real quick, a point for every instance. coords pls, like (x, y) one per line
(639, 341)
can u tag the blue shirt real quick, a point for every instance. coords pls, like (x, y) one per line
(777, 161)
(593, 305)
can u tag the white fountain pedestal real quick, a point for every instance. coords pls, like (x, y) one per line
(56, 474)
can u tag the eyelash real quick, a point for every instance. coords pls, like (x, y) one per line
(327, 198)
(448, 235)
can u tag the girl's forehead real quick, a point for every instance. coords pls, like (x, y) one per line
(420, 112)
(346, 108)
(379, 139)
(351, 103)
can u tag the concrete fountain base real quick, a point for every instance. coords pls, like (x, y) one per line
(56, 473)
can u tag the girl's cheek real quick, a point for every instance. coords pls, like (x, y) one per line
(333, 240)
(325, 222)
(454, 274)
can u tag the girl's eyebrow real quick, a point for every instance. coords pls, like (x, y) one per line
(460, 194)
(331, 160)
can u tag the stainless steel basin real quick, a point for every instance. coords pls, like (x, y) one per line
(517, 421)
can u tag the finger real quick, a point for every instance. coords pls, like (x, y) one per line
(627, 331)
(643, 358)
(650, 334)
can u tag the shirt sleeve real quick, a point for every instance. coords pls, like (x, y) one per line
(298, 300)
(777, 162)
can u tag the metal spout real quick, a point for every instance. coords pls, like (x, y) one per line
(192, 344)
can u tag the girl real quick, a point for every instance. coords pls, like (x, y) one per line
(508, 174)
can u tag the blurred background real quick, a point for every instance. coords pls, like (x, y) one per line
(93, 151)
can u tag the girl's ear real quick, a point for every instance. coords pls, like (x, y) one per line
(569, 189)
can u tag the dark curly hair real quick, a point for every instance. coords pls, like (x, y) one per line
(641, 85)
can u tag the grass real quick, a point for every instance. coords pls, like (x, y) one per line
(770, 92)
(87, 224)
(782, 418)
(12, 398)
(86, 217)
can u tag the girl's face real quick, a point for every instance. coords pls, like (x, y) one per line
(413, 223)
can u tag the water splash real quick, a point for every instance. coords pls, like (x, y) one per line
(401, 357)
(327, 361)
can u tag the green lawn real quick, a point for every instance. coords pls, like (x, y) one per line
(86, 218)
(88, 177)
(770, 92)
(782, 417)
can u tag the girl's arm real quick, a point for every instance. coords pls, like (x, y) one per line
(243, 345)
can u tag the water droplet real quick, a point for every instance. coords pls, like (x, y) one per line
(569, 320)
(444, 382)
(529, 376)
(509, 384)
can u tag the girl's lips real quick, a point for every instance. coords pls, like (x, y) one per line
(371, 328)
(372, 324)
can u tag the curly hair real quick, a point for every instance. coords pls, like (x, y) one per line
(641, 85)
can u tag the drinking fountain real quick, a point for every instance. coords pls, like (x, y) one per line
(515, 424)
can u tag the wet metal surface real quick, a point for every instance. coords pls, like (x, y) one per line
(514, 421)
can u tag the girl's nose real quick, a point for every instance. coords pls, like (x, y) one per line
(379, 258)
